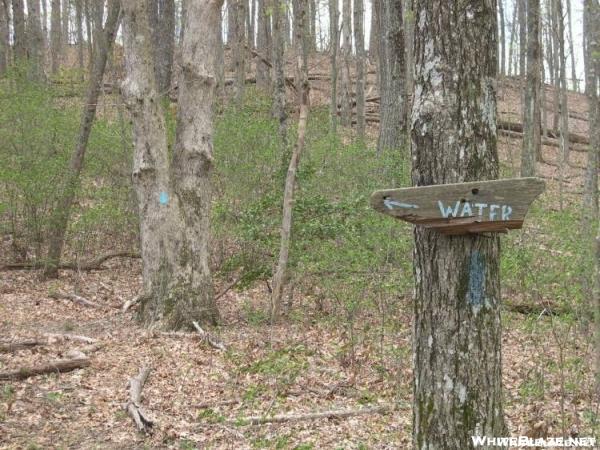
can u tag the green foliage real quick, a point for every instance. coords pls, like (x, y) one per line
(38, 132)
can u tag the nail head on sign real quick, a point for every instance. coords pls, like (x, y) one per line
(163, 198)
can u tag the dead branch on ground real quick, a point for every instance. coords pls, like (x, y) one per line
(59, 366)
(133, 405)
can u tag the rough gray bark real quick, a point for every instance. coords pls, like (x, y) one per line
(231, 19)
(162, 17)
(374, 32)
(333, 48)
(457, 335)
(35, 42)
(79, 30)
(55, 36)
(65, 16)
(312, 24)
(359, 42)
(392, 73)
(511, 45)
(173, 196)
(19, 39)
(301, 43)
(103, 41)
(278, 69)
(531, 124)
(409, 29)
(263, 32)
(345, 94)
(239, 52)
(502, 38)
(4, 36)
(280, 274)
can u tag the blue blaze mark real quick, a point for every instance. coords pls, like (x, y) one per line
(163, 198)
(476, 291)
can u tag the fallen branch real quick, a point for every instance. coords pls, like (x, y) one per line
(334, 414)
(93, 264)
(60, 366)
(134, 301)
(75, 298)
(53, 337)
(210, 340)
(133, 405)
(11, 347)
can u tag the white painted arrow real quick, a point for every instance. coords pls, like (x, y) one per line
(391, 204)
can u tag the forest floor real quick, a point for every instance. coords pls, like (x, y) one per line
(199, 396)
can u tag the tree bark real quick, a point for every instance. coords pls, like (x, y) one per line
(573, 67)
(4, 36)
(392, 72)
(19, 38)
(55, 36)
(522, 13)
(80, 43)
(174, 198)
(359, 42)
(345, 97)
(238, 50)
(531, 124)
(457, 334)
(563, 107)
(278, 70)
(334, 45)
(374, 32)
(35, 42)
(263, 75)
(280, 274)
(163, 33)
(65, 16)
(511, 44)
(60, 218)
(502, 38)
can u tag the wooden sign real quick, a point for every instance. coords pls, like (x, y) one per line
(462, 208)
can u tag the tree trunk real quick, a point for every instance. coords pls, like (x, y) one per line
(573, 67)
(60, 219)
(374, 32)
(231, 19)
(502, 38)
(531, 124)
(19, 39)
(280, 275)
(563, 107)
(511, 45)
(556, 63)
(457, 334)
(45, 24)
(359, 42)
(409, 58)
(522, 13)
(334, 45)
(65, 16)
(4, 37)
(36, 42)
(251, 13)
(163, 32)
(55, 36)
(263, 76)
(278, 70)
(80, 43)
(239, 51)
(345, 98)
(173, 197)
(392, 71)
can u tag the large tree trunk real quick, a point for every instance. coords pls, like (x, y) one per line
(392, 72)
(55, 36)
(4, 36)
(280, 274)
(359, 42)
(457, 357)
(346, 94)
(103, 41)
(173, 197)
(19, 39)
(334, 44)
(35, 42)
(531, 125)
(163, 32)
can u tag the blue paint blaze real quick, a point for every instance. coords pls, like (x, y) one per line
(476, 291)
(163, 198)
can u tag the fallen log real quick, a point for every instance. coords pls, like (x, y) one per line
(208, 338)
(133, 405)
(60, 366)
(11, 347)
(333, 414)
(518, 127)
(53, 337)
(93, 264)
(76, 299)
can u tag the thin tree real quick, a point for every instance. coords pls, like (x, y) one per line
(571, 51)
(103, 41)
(239, 53)
(374, 32)
(522, 14)
(4, 36)
(263, 38)
(457, 335)
(346, 89)
(512, 43)
(333, 49)
(359, 42)
(280, 275)
(79, 30)
(531, 124)
(279, 100)
(65, 17)
(35, 42)
(55, 36)
(19, 38)
(392, 73)
(502, 38)
(174, 195)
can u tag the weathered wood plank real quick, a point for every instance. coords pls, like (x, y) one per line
(462, 208)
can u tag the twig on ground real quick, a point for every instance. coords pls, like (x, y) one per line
(77, 299)
(133, 405)
(11, 347)
(209, 339)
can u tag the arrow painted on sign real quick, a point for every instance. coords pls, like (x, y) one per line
(391, 204)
